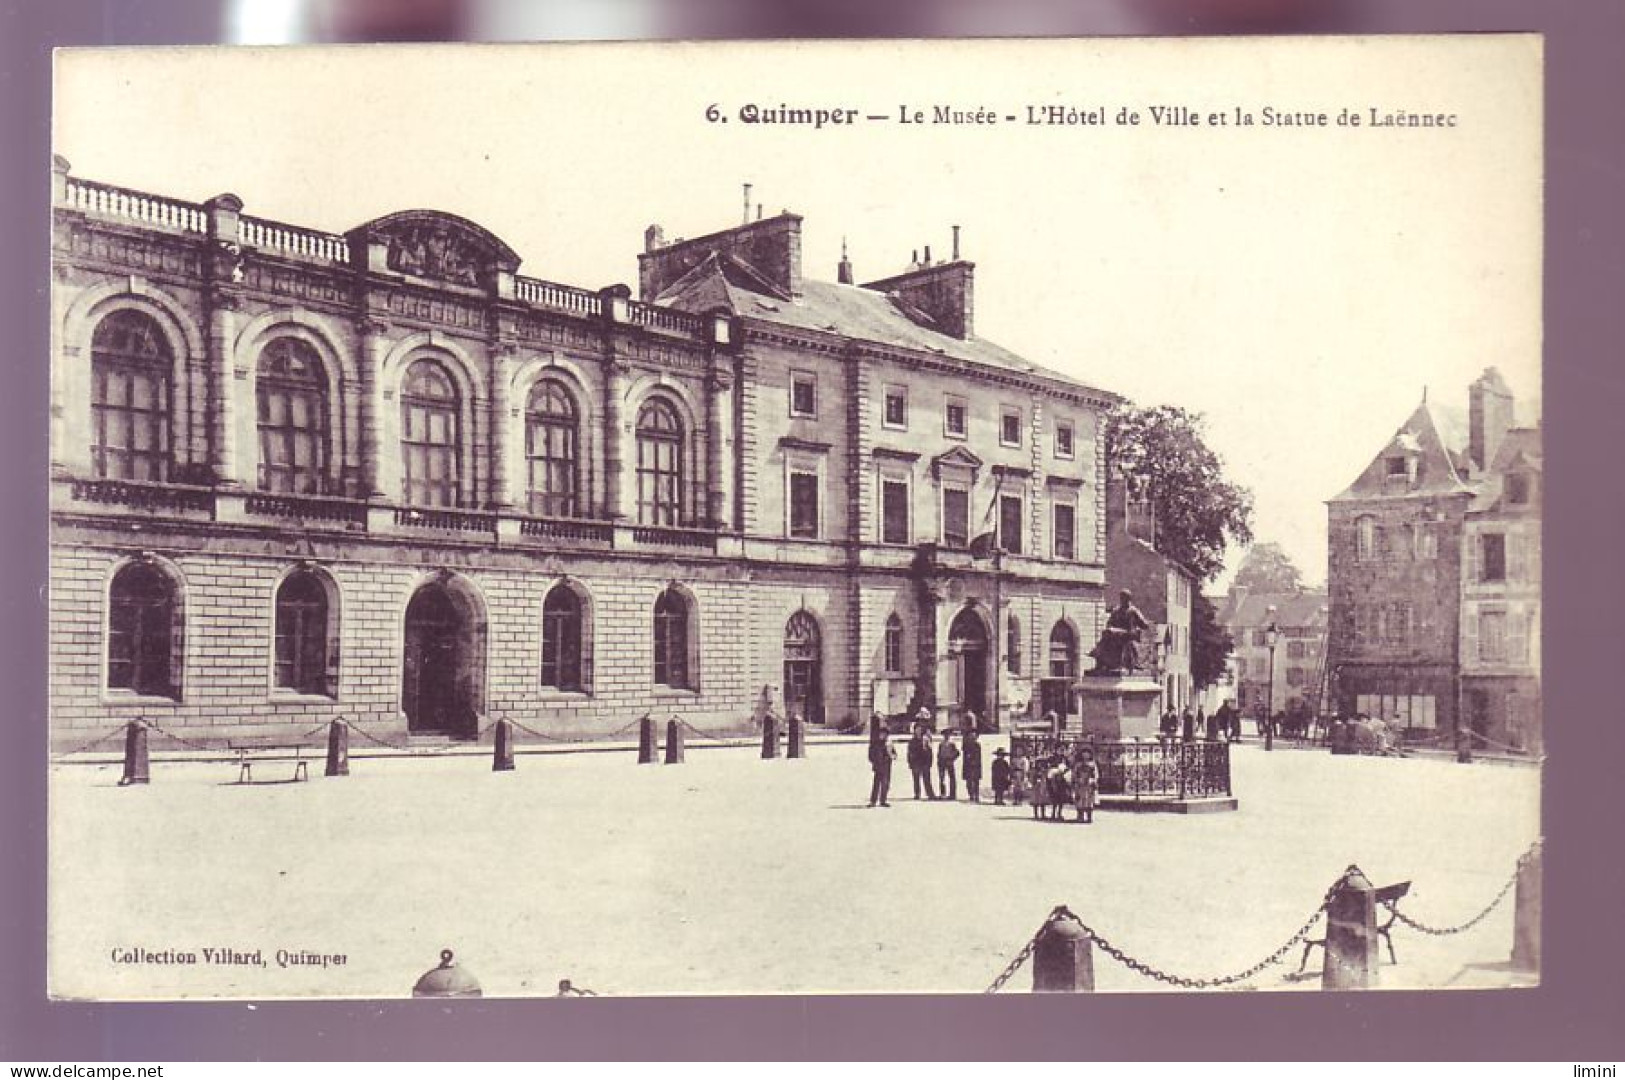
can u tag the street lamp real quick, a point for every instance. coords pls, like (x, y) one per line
(1272, 634)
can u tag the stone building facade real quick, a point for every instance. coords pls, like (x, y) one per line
(1404, 568)
(297, 475)
(1300, 621)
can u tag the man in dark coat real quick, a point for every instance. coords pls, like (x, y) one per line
(947, 775)
(920, 758)
(971, 760)
(1001, 776)
(881, 756)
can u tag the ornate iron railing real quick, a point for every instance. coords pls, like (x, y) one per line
(588, 532)
(667, 537)
(113, 201)
(292, 240)
(144, 496)
(1170, 769)
(307, 508)
(446, 520)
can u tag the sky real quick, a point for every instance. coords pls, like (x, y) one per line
(1299, 286)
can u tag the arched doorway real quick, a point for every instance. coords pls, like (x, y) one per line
(803, 668)
(443, 676)
(967, 642)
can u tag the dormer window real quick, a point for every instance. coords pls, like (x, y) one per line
(1518, 488)
(1396, 466)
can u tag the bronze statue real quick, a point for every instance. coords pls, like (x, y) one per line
(1118, 650)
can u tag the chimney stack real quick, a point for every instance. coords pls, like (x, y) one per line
(927, 255)
(956, 243)
(1489, 417)
(746, 219)
(843, 271)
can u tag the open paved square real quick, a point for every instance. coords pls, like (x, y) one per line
(730, 874)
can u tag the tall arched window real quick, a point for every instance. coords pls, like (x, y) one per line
(563, 634)
(894, 645)
(304, 635)
(660, 464)
(430, 460)
(1063, 652)
(292, 404)
(551, 441)
(130, 362)
(671, 641)
(1012, 645)
(143, 632)
(1365, 538)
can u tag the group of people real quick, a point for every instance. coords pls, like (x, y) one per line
(1049, 783)
(1223, 723)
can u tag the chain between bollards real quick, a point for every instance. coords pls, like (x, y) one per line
(1461, 928)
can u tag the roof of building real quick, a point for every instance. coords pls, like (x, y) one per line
(1431, 438)
(854, 311)
(1243, 607)
(1520, 450)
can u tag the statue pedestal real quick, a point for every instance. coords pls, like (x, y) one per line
(1118, 707)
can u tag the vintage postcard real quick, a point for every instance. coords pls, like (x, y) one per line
(808, 517)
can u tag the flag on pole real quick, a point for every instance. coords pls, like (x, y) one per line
(983, 544)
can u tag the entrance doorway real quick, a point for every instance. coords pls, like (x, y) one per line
(967, 640)
(803, 668)
(443, 671)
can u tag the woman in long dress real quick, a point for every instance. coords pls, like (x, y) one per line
(1086, 786)
(1039, 782)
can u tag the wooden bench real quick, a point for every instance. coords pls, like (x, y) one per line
(1387, 897)
(249, 750)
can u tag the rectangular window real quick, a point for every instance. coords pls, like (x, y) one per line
(1009, 426)
(895, 413)
(804, 505)
(1065, 540)
(1295, 676)
(1063, 439)
(1493, 566)
(1260, 638)
(1294, 650)
(1492, 637)
(1396, 466)
(1518, 488)
(1010, 523)
(955, 517)
(803, 395)
(894, 512)
(953, 418)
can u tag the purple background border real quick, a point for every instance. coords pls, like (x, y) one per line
(1577, 1015)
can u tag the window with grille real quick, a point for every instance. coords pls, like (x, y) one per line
(562, 634)
(671, 640)
(552, 439)
(142, 632)
(430, 458)
(804, 505)
(302, 632)
(1066, 531)
(129, 398)
(1492, 637)
(292, 408)
(660, 464)
(954, 418)
(895, 414)
(894, 645)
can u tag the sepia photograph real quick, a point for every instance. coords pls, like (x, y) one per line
(947, 517)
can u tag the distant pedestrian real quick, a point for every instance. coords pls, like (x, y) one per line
(919, 761)
(1208, 724)
(1085, 786)
(1059, 786)
(947, 771)
(1001, 776)
(881, 756)
(1021, 778)
(1038, 788)
(971, 760)
(1188, 726)
(1169, 726)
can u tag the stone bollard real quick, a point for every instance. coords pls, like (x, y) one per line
(1063, 959)
(137, 769)
(502, 747)
(1351, 936)
(674, 742)
(1526, 917)
(646, 740)
(798, 737)
(447, 981)
(770, 736)
(338, 749)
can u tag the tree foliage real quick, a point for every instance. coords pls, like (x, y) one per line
(1160, 453)
(1268, 568)
(1211, 643)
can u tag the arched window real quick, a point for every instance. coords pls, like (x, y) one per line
(305, 638)
(671, 641)
(1012, 645)
(894, 645)
(292, 418)
(430, 461)
(130, 362)
(563, 636)
(1063, 652)
(551, 440)
(1365, 541)
(143, 632)
(660, 464)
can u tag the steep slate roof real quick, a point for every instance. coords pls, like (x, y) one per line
(1432, 436)
(722, 281)
(1248, 608)
(1520, 448)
